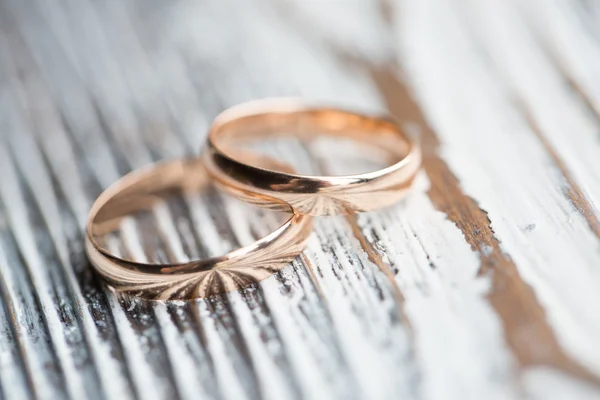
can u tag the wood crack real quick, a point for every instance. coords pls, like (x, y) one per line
(572, 190)
(374, 256)
(14, 327)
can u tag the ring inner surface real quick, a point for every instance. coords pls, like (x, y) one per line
(171, 213)
(380, 138)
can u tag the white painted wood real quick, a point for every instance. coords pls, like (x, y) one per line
(547, 384)
(454, 327)
(535, 80)
(386, 305)
(501, 163)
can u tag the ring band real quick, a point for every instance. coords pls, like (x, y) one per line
(140, 190)
(312, 195)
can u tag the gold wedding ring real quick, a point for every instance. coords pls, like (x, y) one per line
(143, 189)
(312, 195)
(258, 180)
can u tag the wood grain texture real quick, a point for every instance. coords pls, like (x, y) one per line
(481, 284)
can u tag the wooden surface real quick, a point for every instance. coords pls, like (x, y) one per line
(483, 284)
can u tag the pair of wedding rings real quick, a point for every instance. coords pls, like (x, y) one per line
(257, 180)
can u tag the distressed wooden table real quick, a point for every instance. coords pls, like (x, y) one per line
(483, 284)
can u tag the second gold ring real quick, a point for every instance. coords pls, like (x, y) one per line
(312, 195)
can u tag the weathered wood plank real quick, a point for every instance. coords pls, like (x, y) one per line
(484, 274)
(515, 180)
